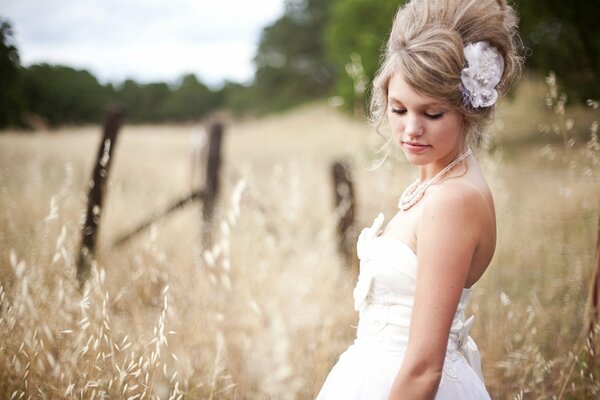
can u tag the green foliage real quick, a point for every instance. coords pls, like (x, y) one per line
(157, 102)
(315, 49)
(59, 94)
(144, 103)
(563, 37)
(291, 66)
(10, 99)
(129, 95)
(190, 100)
(237, 98)
(560, 36)
(62, 94)
(358, 27)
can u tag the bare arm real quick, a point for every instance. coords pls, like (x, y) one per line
(447, 238)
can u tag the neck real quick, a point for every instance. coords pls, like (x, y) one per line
(428, 171)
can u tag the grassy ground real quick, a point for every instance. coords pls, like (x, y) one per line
(267, 310)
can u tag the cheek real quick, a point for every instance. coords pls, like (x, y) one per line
(396, 124)
(458, 129)
(452, 131)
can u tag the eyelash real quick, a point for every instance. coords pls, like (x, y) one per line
(430, 116)
(435, 116)
(398, 111)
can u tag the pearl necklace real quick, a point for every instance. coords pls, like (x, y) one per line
(416, 190)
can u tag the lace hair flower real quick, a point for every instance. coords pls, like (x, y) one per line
(482, 74)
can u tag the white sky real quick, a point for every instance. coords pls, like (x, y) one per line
(146, 40)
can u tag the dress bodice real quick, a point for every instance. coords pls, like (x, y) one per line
(385, 292)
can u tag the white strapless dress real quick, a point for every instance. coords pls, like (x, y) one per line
(384, 297)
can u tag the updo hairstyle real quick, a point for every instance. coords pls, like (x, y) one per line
(426, 46)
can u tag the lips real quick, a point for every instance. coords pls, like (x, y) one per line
(414, 147)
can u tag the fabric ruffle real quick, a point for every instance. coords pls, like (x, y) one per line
(365, 277)
(482, 74)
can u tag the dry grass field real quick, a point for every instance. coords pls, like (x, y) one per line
(265, 312)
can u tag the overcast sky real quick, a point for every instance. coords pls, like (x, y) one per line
(146, 40)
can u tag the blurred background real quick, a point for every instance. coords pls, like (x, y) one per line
(263, 309)
(62, 64)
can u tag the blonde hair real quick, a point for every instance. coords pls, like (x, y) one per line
(426, 46)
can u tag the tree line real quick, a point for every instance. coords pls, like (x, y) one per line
(334, 47)
(56, 94)
(316, 49)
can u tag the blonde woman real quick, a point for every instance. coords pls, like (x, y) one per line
(446, 64)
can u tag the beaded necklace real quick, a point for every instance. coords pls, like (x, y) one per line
(416, 190)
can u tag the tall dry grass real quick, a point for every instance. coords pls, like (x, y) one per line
(265, 312)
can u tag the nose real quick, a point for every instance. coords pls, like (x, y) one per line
(413, 127)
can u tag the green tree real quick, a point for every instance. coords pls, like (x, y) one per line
(291, 66)
(10, 97)
(154, 98)
(237, 98)
(564, 37)
(128, 94)
(150, 102)
(62, 94)
(354, 37)
(190, 100)
(158, 102)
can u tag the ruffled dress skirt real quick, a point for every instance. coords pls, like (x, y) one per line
(363, 373)
(384, 297)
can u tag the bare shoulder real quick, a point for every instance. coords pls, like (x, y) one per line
(458, 219)
(451, 228)
(457, 198)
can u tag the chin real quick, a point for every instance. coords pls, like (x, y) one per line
(415, 159)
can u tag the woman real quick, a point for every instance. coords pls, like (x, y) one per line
(446, 63)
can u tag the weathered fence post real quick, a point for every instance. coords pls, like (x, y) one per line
(344, 206)
(211, 185)
(207, 194)
(112, 123)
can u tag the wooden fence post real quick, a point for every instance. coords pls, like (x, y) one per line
(112, 123)
(344, 206)
(206, 195)
(211, 185)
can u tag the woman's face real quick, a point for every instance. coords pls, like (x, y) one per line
(428, 131)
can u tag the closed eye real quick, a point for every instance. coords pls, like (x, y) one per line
(398, 110)
(434, 116)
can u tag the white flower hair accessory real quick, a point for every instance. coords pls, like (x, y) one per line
(482, 74)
